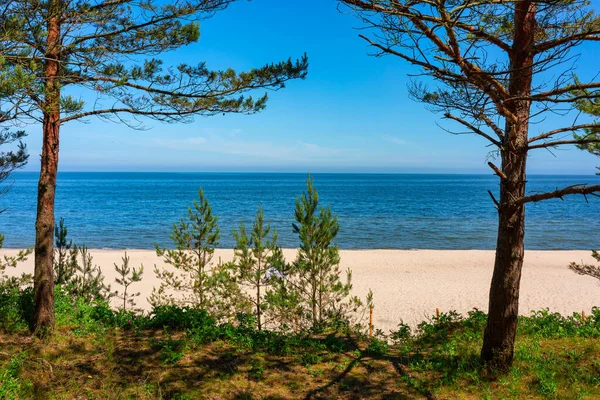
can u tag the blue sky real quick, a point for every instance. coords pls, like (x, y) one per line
(352, 113)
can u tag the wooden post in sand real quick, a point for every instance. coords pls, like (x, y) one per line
(370, 322)
(437, 313)
(583, 317)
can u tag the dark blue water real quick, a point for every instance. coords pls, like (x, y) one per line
(136, 210)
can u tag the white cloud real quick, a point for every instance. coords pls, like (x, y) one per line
(393, 139)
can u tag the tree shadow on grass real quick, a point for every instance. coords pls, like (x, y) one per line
(446, 371)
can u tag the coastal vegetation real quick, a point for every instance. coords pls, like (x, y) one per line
(183, 353)
(307, 293)
(261, 326)
(493, 69)
(53, 52)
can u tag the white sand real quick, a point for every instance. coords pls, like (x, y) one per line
(408, 285)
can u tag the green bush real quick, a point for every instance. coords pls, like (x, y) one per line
(545, 324)
(16, 308)
(377, 347)
(12, 386)
(179, 317)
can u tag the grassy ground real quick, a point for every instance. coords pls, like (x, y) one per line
(183, 354)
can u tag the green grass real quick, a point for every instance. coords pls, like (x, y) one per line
(178, 353)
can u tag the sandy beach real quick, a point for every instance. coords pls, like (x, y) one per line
(409, 285)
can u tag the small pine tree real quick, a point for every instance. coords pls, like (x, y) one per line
(197, 281)
(587, 269)
(317, 263)
(126, 277)
(282, 296)
(74, 269)
(65, 255)
(254, 256)
(195, 241)
(12, 262)
(227, 299)
(88, 282)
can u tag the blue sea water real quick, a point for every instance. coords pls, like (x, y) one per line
(392, 211)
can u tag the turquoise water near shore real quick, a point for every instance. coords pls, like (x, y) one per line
(376, 211)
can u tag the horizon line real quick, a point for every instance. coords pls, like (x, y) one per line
(297, 172)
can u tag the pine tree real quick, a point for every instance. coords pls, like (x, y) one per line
(282, 296)
(492, 69)
(55, 54)
(126, 277)
(195, 280)
(65, 256)
(88, 281)
(12, 262)
(255, 255)
(317, 263)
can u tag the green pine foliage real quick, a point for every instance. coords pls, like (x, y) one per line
(126, 277)
(256, 255)
(112, 50)
(12, 159)
(65, 255)
(282, 296)
(591, 107)
(194, 280)
(12, 262)
(75, 270)
(316, 268)
(195, 239)
(588, 269)
(88, 281)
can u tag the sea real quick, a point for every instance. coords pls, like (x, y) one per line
(376, 211)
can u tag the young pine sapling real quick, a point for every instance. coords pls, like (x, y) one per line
(88, 282)
(255, 254)
(126, 277)
(65, 255)
(282, 296)
(198, 282)
(317, 263)
(12, 262)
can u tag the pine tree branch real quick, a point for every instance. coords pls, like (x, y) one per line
(558, 194)
(582, 36)
(445, 73)
(175, 13)
(563, 130)
(497, 171)
(565, 142)
(552, 96)
(474, 129)
(168, 115)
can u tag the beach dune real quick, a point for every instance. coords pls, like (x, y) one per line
(409, 285)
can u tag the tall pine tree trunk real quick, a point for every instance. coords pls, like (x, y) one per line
(500, 332)
(43, 322)
(498, 344)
